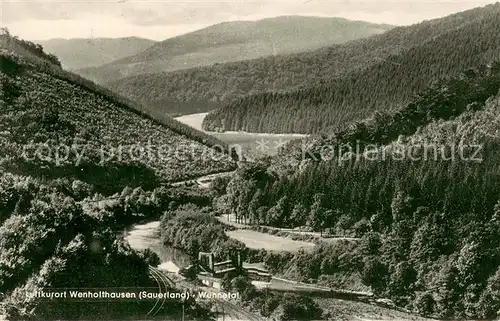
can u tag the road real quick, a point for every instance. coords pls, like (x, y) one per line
(202, 181)
(229, 220)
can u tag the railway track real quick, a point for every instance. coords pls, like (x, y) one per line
(231, 311)
(164, 283)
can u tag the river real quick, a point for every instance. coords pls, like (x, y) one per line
(252, 144)
(147, 235)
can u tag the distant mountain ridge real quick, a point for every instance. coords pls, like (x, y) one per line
(90, 52)
(235, 41)
(206, 88)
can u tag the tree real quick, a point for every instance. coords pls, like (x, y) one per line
(219, 184)
(254, 206)
(276, 213)
(295, 307)
(298, 216)
(489, 302)
(402, 279)
(425, 304)
(331, 217)
(448, 293)
(343, 223)
(4, 32)
(431, 239)
(374, 274)
(221, 204)
(362, 227)
(262, 214)
(150, 257)
(317, 213)
(244, 287)
(330, 265)
(402, 206)
(81, 189)
(230, 249)
(371, 243)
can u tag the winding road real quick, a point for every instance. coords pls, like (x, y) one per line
(229, 219)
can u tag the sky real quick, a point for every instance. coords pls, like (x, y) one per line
(162, 19)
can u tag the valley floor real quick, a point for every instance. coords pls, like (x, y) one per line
(257, 240)
(229, 219)
(193, 120)
(251, 143)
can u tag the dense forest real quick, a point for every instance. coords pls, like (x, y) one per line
(383, 85)
(58, 236)
(206, 88)
(44, 63)
(27, 48)
(424, 198)
(63, 201)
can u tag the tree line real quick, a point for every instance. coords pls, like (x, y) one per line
(429, 227)
(382, 85)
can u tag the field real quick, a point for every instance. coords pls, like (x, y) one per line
(193, 120)
(257, 240)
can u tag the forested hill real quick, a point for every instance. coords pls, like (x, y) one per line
(236, 41)
(77, 165)
(203, 89)
(419, 186)
(40, 99)
(83, 53)
(381, 85)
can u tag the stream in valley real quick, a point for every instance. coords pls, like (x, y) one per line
(146, 235)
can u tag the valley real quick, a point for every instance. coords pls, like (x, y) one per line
(146, 235)
(291, 167)
(85, 53)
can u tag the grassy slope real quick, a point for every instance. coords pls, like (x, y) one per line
(235, 41)
(256, 240)
(84, 53)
